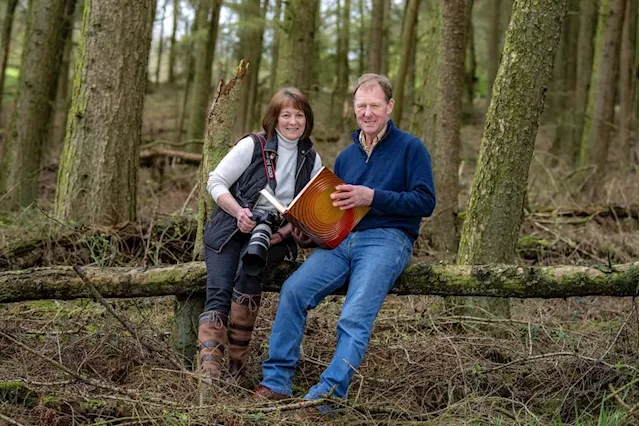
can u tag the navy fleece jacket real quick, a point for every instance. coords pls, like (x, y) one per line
(399, 172)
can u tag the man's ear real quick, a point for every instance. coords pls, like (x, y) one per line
(390, 106)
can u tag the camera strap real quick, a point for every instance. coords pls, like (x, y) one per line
(269, 163)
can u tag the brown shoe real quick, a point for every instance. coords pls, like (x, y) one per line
(263, 393)
(244, 311)
(212, 337)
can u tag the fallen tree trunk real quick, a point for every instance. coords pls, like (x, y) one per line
(62, 283)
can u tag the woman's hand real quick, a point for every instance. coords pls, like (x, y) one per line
(282, 234)
(245, 223)
(302, 239)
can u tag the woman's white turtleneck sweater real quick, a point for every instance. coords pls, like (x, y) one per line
(238, 160)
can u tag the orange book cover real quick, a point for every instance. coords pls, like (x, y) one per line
(312, 210)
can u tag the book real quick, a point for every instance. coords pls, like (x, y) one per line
(312, 210)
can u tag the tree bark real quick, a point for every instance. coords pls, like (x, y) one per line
(298, 35)
(7, 25)
(626, 87)
(361, 38)
(448, 123)
(98, 170)
(62, 283)
(425, 108)
(408, 30)
(375, 36)
(599, 119)
(250, 50)
(172, 42)
(275, 47)
(218, 135)
(470, 66)
(584, 64)
(37, 84)
(207, 17)
(493, 48)
(161, 42)
(342, 82)
(494, 214)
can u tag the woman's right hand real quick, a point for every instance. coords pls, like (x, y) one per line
(245, 223)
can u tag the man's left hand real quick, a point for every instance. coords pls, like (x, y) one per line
(350, 196)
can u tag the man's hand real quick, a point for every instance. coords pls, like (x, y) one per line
(245, 224)
(349, 196)
(302, 239)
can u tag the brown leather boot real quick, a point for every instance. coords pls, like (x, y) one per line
(212, 337)
(244, 311)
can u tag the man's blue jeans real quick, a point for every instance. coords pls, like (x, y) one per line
(370, 261)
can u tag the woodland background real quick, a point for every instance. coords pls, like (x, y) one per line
(529, 110)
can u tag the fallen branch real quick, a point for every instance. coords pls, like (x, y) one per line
(61, 282)
(148, 155)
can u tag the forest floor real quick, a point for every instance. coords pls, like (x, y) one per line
(561, 361)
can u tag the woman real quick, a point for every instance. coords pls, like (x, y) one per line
(282, 160)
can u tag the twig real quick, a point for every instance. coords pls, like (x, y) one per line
(184, 206)
(126, 324)
(9, 420)
(283, 407)
(556, 355)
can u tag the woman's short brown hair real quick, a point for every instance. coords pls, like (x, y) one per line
(288, 96)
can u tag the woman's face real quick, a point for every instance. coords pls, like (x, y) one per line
(291, 122)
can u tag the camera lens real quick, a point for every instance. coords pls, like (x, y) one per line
(255, 258)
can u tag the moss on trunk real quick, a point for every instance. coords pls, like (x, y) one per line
(98, 171)
(495, 210)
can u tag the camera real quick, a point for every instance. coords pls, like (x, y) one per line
(254, 259)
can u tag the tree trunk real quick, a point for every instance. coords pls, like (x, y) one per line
(37, 84)
(408, 31)
(207, 17)
(584, 64)
(342, 66)
(470, 66)
(599, 121)
(626, 88)
(493, 48)
(219, 130)
(62, 283)
(425, 111)
(254, 118)
(361, 38)
(7, 25)
(564, 83)
(98, 171)
(161, 41)
(220, 123)
(190, 71)
(375, 36)
(275, 24)
(298, 35)
(172, 42)
(494, 214)
(384, 64)
(250, 49)
(448, 123)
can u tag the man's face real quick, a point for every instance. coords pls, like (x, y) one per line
(371, 108)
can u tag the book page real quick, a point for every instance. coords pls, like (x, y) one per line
(274, 201)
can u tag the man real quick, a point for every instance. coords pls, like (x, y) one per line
(390, 171)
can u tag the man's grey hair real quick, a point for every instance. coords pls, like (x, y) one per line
(371, 79)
